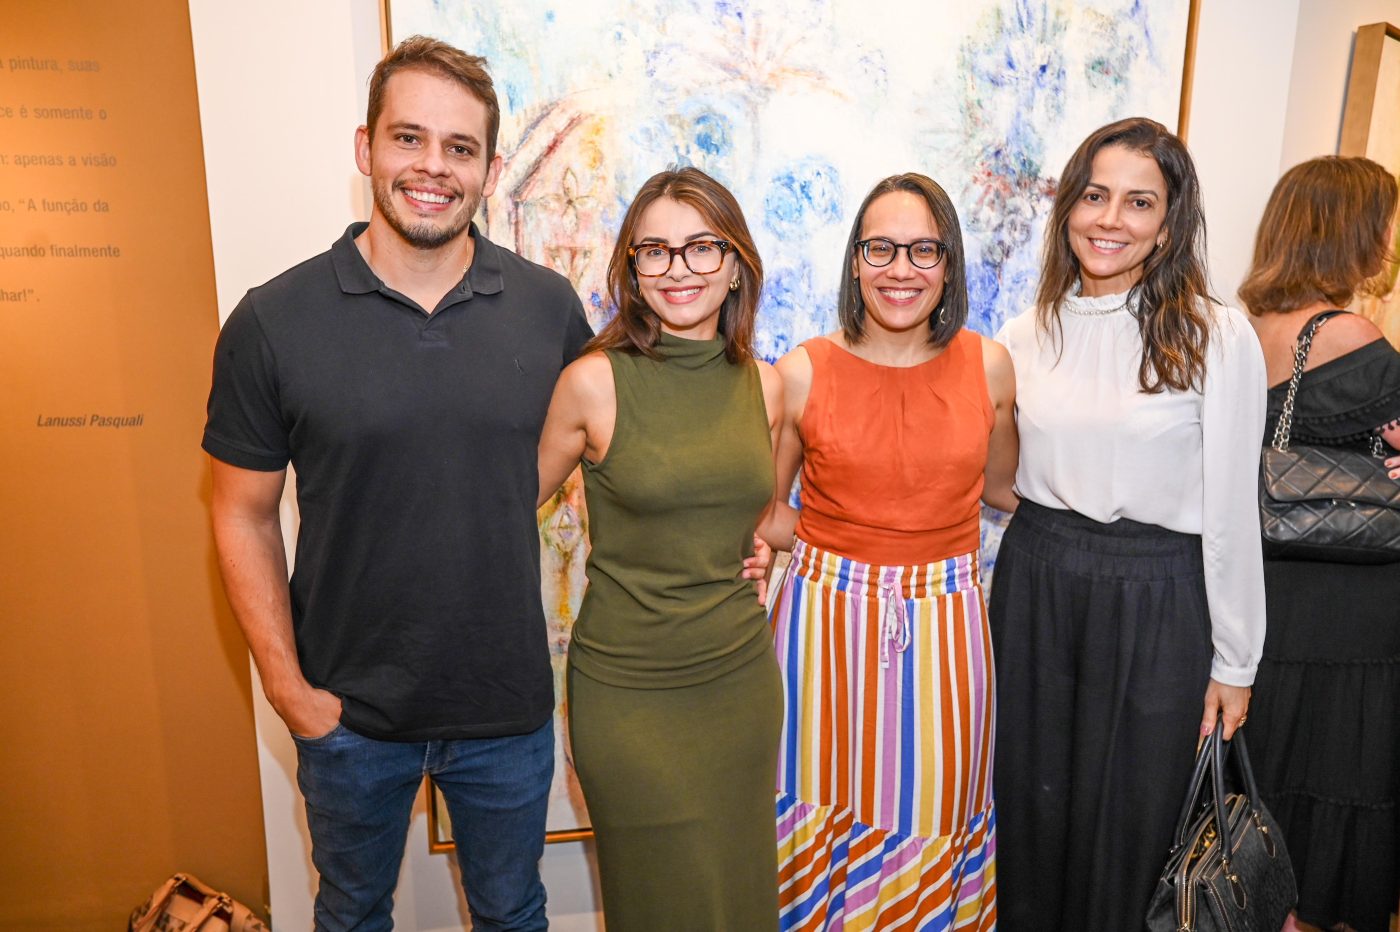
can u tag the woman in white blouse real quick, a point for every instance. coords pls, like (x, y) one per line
(1128, 608)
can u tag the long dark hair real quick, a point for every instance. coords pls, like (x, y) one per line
(636, 328)
(1324, 233)
(1173, 293)
(951, 313)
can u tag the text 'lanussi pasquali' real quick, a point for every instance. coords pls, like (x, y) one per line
(92, 420)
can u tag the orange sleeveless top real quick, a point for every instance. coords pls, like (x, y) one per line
(893, 457)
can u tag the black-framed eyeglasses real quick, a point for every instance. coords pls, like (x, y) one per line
(923, 253)
(701, 256)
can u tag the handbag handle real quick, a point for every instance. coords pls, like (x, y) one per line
(1211, 759)
(1217, 785)
(1251, 789)
(1193, 792)
(157, 903)
(1284, 428)
(212, 901)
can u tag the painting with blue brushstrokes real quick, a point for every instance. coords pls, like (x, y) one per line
(799, 107)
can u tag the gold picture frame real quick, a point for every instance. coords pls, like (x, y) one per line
(440, 826)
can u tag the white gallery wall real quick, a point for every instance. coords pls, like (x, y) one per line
(1235, 131)
(1321, 70)
(282, 87)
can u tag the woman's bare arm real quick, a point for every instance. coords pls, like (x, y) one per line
(1003, 448)
(780, 520)
(580, 421)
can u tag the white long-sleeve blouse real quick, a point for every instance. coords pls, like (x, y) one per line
(1093, 442)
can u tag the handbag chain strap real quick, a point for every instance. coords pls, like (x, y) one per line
(1284, 428)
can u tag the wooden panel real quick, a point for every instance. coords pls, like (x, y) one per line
(1361, 90)
(1371, 128)
(129, 748)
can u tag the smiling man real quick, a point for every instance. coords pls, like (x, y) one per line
(405, 374)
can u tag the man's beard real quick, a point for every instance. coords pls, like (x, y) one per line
(423, 235)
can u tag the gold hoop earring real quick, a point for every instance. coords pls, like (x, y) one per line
(734, 284)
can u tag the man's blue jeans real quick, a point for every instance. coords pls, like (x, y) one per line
(359, 798)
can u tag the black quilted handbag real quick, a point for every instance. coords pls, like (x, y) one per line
(1325, 503)
(1235, 879)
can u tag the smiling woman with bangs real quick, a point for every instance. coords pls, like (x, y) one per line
(1128, 610)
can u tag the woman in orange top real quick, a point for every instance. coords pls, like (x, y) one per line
(900, 421)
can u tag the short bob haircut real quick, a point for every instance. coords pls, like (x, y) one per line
(1173, 293)
(421, 53)
(1324, 235)
(636, 328)
(951, 313)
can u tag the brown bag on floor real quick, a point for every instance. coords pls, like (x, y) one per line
(185, 904)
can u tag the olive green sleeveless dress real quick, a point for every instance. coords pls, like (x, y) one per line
(675, 702)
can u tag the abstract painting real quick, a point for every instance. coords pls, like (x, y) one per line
(799, 107)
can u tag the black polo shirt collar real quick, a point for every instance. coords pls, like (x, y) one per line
(356, 277)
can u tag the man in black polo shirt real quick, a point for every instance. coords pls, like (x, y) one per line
(405, 374)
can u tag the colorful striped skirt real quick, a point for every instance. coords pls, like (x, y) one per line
(885, 815)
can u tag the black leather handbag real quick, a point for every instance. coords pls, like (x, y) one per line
(1325, 503)
(1228, 870)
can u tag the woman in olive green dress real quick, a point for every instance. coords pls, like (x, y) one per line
(674, 693)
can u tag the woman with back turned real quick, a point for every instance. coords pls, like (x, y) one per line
(1325, 732)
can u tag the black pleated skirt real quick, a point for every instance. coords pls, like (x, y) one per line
(1324, 735)
(1102, 642)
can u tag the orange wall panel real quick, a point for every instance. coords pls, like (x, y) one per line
(129, 747)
